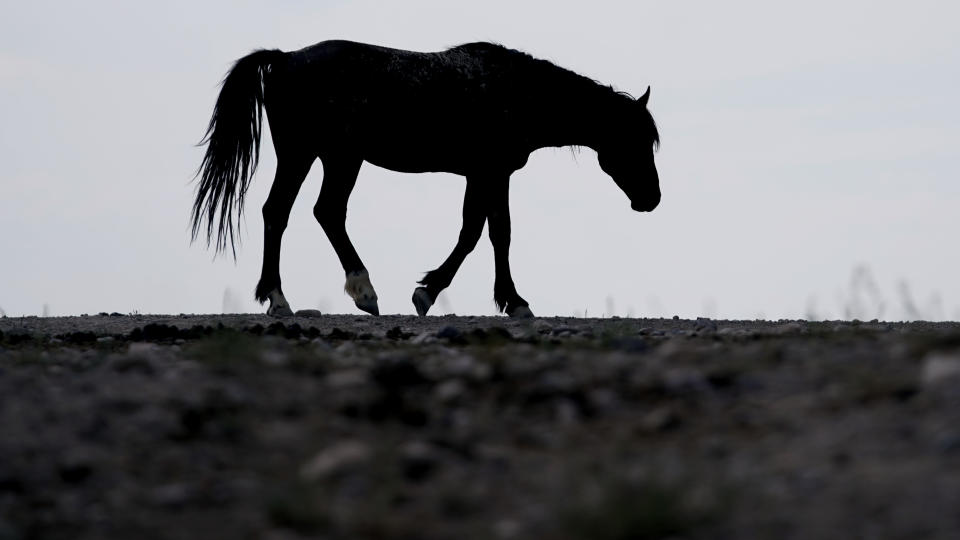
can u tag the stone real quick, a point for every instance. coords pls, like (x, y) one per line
(659, 420)
(705, 325)
(788, 328)
(347, 378)
(449, 332)
(449, 391)
(940, 367)
(542, 327)
(336, 459)
(418, 460)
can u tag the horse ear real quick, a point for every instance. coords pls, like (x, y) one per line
(644, 98)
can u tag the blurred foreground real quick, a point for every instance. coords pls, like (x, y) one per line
(477, 427)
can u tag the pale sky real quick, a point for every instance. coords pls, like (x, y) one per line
(808, 167)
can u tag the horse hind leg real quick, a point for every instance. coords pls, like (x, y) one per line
(470, 232)
(504, 291)
(291, 171)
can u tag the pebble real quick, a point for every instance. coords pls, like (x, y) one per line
(542, 327)
(449, 391)
(171, 495)
(347, 378)
(142, 348)
(565, 331)
(789, 328)
(705, 325)
(335, 459)
(273, 357)
(423, 339)
(659, 420)
(684, 379)
(418, 460)
(449, 332)
(940, 367)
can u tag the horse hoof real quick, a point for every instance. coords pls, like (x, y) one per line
(280, 311)
(521, 312)
(422, 300)
(278, 305)
(368, 305)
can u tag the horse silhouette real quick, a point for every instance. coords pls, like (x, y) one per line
(476, 110)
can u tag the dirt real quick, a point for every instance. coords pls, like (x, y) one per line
(477, 427)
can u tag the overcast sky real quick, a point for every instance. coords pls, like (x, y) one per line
(808, 168)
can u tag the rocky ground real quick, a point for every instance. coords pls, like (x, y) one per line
(477, 427)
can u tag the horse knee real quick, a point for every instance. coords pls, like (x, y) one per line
(328, 217)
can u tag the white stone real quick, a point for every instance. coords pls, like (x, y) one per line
(938, 367)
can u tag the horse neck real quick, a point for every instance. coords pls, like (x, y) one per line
(581, 118)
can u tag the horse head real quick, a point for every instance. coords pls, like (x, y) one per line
(626, 153)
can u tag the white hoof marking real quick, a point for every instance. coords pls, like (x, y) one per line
(359, 288)
(278, 304)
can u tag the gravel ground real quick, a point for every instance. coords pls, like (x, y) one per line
(335, 426)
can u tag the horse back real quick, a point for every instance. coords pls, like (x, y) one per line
(406, 110)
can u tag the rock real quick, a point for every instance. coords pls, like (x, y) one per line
(788, 328)
(347, 378)
(142, 348)
(449, 332)
(507, 529)
(76, 466)
(397, 333)
(273, 357)
(565, 331)
(423, 339)
(659, 420)
(171, 495)
(685, 380)
(940, 367)
(542, 327)
(449, 391)
(418, 460)
(705, 325)
(602, 400)
(335, 460)
(309, 313)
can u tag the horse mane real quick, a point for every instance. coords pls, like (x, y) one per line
(539, 70)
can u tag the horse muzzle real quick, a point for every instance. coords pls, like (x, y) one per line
(645, 205)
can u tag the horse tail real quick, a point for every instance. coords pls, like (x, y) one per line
(233, 148)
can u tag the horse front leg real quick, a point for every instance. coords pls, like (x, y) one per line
(291, 171)
(474, 215)
(339, 177)
(498, 218)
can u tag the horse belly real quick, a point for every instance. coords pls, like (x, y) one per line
(415, 154)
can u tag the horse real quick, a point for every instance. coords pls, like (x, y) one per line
(477, 110)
